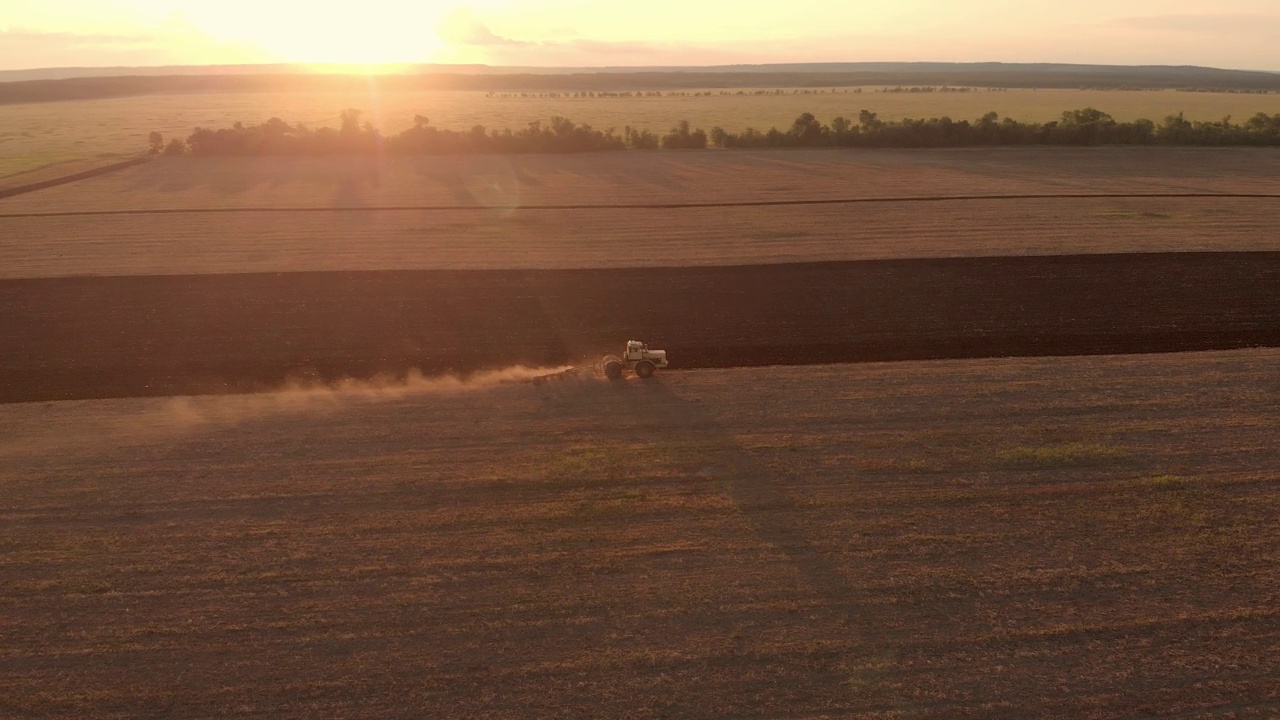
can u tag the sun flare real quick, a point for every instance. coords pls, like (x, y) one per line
(376, 34)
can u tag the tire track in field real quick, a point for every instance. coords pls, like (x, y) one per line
(655, 206)
(66, 179)
(863, 633)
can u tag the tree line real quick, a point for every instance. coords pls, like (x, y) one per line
(1075, 127)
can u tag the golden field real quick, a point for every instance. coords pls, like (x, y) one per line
(366, 214)
(34, 135)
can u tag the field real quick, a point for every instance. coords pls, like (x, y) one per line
(487, 212)
(389, 522)
(34, 135)
(1075, 537)
(177, 335)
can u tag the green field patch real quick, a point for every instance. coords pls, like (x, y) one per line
(896, 465)
(611, 461)
(1164, 482)
(586, 461)
(1174, 498)
(622, 503)
(1057, 456)
(1136, 215)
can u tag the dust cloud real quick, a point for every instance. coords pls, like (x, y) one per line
(300, 396)
(33, 429)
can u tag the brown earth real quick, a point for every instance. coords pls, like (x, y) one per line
(121, 336)
(1077, 537)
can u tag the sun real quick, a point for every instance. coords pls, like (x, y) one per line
(371, 32)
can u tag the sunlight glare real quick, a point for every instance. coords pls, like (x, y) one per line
(372, 32)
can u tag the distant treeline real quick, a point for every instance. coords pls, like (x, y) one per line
(513, 80)
(756, 92)
(1076, 127)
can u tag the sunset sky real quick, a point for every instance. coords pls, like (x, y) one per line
(62, 33)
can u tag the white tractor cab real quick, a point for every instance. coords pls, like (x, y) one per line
(638, 358)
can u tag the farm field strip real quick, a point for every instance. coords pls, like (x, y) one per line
(86, 337)
(663, 178)
(496, 239)
(32, 135)
(669, 206)
(1076, 537)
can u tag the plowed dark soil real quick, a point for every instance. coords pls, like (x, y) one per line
(69, 338)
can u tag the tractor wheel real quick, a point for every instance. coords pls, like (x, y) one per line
(644, 369)
(613, 370)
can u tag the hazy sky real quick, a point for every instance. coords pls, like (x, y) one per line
(60, 33)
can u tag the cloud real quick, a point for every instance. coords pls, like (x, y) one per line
(462, 27)
(23, 48)
(33, 48)
(1230, 40)
(1205, 23)
(19, 39)
(642, 49)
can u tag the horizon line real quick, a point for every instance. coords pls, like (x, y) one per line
(318, 68)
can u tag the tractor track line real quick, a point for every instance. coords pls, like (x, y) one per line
(662, 206)
(74, 177)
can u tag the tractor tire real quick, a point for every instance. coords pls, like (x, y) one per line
(644, 369)
(613, 370)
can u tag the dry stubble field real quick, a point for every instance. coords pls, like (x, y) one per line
(1024, 538)
(37, 134)
(343, 229)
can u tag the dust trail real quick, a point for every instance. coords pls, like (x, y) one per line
(36, 429)
(304, 396)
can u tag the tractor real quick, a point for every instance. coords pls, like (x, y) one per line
(637, 358)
